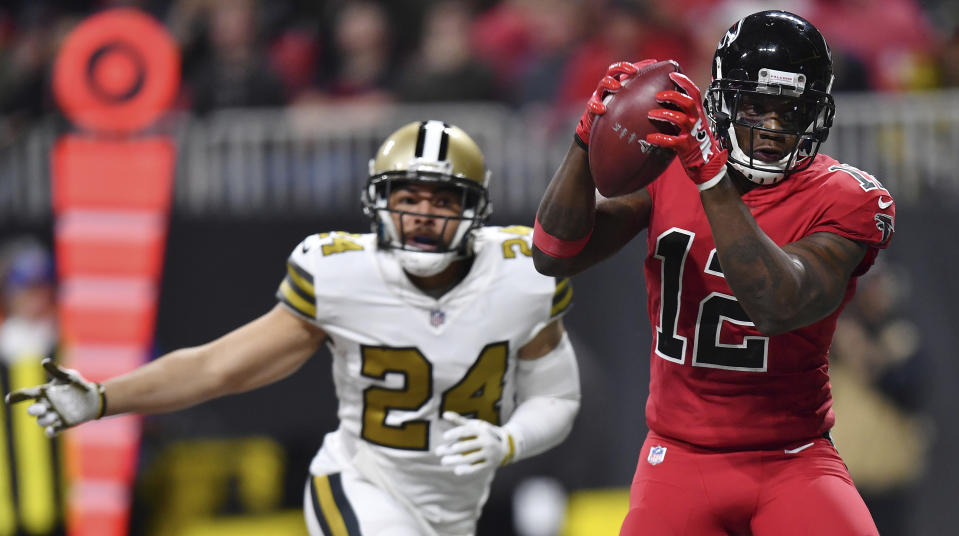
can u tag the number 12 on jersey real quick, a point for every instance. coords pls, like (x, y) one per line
(716, 309)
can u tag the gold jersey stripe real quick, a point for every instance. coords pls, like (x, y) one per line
(302, 280)
(295, 301)
(34, 455)
(308, 298)
(562, 297)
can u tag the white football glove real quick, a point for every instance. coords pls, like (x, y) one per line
(67, 400)
(474, 445)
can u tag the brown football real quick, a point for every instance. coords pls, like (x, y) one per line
(620, 159)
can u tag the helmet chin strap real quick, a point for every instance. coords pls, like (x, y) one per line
(758, 176)
(424, 263)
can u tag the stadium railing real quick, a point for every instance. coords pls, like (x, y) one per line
(293, 161)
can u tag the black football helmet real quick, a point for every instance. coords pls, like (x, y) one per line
(771, 59)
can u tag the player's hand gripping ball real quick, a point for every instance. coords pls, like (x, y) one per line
(621, 161)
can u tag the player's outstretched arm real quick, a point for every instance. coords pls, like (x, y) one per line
(548, 394)
(260, 352)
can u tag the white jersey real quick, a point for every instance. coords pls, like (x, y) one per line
(401, 358)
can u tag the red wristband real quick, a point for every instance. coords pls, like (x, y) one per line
(557, 247)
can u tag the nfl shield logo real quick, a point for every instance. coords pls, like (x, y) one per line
(437, 317)
(656, 455)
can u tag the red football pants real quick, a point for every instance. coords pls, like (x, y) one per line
(801, 489)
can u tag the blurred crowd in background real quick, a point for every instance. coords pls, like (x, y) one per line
(250, 53)
(27, 300)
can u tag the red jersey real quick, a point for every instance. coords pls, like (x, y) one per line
(715, 381)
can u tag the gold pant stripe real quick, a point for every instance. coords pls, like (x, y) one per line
(328, 507)
(34, 455)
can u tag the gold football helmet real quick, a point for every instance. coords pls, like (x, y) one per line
(428, 151)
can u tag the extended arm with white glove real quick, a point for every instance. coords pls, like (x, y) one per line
(258, 353)
(548, 401)
(67, 400)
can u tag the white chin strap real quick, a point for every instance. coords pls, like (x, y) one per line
(424, 263)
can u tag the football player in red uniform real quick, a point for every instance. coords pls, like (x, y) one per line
(756, 241)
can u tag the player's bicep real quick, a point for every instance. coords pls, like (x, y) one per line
(827, 261)
(265, 350)
(544, 341)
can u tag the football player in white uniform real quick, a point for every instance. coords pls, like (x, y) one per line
(449, 354)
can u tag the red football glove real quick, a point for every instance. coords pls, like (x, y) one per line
(609, 84)
(702, 156)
